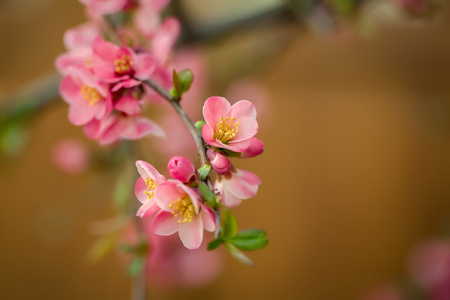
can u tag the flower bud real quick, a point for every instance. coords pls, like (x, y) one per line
(219, 162)
(182, 169)
(256, 148)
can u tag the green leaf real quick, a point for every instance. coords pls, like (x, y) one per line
(207, 194)
(101, 248)
(174, 93)
(204, 171)
(199, 125)
(238, 255)
(214, 244)
(250, 239)
(136, 265)
(176, 83)
(186, 78)
(229, 225)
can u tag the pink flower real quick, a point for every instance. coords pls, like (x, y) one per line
(182, 211)
(120, 65)
(105, 7)
(145, 188)
(182, 169)
(87, 96)
(237, 186)
(71, 156)
(115, 127)
(229, 127)
(218, 161)
(256, 148)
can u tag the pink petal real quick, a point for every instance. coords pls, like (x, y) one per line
(128, 104)
(208, 218)
(191, 233)
(126, 84)
(137, 128)
(248, 127)
(83, 113)
(139, 190)
(147, 209)
(165, 223)
(256, 148)
(144, 66)
(208, 135)
(240, 146)
(70, 89)
(214, 108)
(164, 39)
(166, 193)
(242, 109)
(103, 58)
(243, 184)
(146, 170)
(114, 132)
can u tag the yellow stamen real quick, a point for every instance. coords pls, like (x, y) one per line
(226, 129)
(123, 65)
(151, 186)
(90, 94)
(184, 208)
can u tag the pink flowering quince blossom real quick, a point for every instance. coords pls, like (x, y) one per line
(229, 127)
(145, 188)
(120, 65)
(87, 96)
(237, 186)
(182, 211)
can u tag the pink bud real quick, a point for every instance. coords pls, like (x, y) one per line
(182, 169)
(256, 148)
(219, 162)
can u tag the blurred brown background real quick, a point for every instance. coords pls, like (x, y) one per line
(356, 169)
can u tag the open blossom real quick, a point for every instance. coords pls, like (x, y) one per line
(87, 96)
(237, 186)
(182, 211)
(145, 188)
(120, 65)
(229, 127)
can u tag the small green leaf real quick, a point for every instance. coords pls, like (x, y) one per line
(136, 265)
(174, 93)
(176, 82)
(229, 225)
(204, 171)
(250, 239)
(101, 248)
(207, 194)
(241, 257)
(186, 78)
(199, 125)
(214, 244)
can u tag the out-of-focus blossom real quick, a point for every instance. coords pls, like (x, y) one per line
(229, 127)
(88, 97)
(145, 188)
(237, 186)
(105, 7)
(218, 161)
(182, 169)
(70, 156)
(182, 211)
(429, 265)
(147, 16)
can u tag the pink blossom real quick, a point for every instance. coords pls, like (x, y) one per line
(105, 7)
(218, 161)
(182, 211)
(147, 16)
(182, 169)
(237, 186)
(71, 156)
(120, 65)
(229, 127)
(164, 40)
(115, 127)
(429, 265)
(145, 188)
(87, 96)
(256, 148)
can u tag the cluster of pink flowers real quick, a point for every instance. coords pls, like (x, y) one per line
(178, 204)
(103, 82)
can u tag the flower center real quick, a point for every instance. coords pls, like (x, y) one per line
(151, 186)
(123, 65)
(90, 94)
(226, 129)
(184, 208)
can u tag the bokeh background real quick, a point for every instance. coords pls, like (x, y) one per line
(355, 172)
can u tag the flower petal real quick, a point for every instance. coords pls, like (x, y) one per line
(165, 223)
(208, 218)
(191, 233)
(148, 209)
(242, 109)
(215, 107)
(167, 192)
